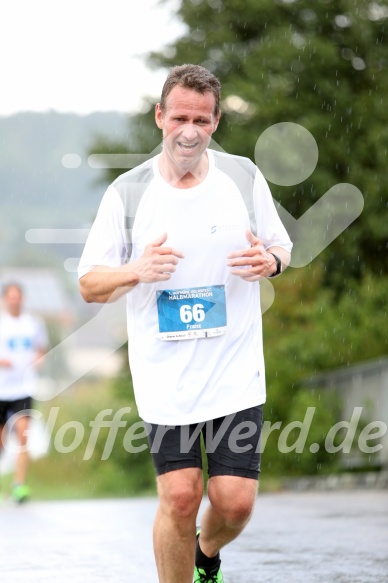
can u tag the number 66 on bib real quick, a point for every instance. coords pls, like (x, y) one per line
(192, 313)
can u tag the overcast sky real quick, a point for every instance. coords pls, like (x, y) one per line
(81, 55)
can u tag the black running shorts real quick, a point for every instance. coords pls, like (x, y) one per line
(231, 445)
(9, 408)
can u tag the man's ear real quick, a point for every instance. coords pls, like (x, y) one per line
(158, 116)
(216, 121)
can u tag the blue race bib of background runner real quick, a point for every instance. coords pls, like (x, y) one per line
(196, 312)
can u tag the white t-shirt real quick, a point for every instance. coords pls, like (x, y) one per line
(184, 381)
(20, 340)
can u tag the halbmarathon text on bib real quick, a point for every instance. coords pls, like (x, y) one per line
(187, 314)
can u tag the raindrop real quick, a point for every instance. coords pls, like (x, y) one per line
(308, 15)
(235, 104)
(169, 52)
(216, 54)
(358, 64)
(377, 12)
(347, 54)
(210, 65)
(298, 40)
(342, 21)
(198, 36)
(215, 4)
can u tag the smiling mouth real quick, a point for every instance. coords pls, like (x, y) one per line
(187, 147)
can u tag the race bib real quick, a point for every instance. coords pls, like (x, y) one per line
(196, 312)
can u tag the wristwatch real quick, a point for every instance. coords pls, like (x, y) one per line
(278, 265)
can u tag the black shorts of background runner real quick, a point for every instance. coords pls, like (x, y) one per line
(231, 444)
(9, 408)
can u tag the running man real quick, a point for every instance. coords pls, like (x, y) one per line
(187, 236)
(23, 343)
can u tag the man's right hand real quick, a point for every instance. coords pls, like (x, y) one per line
(5, 363)
(104, 284)
(157, 262)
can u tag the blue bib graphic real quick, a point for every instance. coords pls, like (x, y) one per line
(20, 343)
(197, 312)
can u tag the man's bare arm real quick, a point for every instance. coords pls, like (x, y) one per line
(104, 284)
(107, 284)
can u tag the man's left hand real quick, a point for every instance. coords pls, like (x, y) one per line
(253, 263)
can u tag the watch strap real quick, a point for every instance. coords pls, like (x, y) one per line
(278, 265)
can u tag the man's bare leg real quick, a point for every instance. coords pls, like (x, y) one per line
(2, 436)
(180, 494)
(22, 459)
(232, 500)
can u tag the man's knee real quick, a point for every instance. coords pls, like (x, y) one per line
(180, 495)
(233, 498)
(183, 503)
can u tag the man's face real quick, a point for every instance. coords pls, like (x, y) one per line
(13, 300)
(187, 125)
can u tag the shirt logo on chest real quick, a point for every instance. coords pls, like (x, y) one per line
(223, 228)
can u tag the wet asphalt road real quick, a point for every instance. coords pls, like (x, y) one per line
(311, 537)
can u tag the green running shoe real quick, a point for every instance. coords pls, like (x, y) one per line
(202, 576)
(21, 493)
